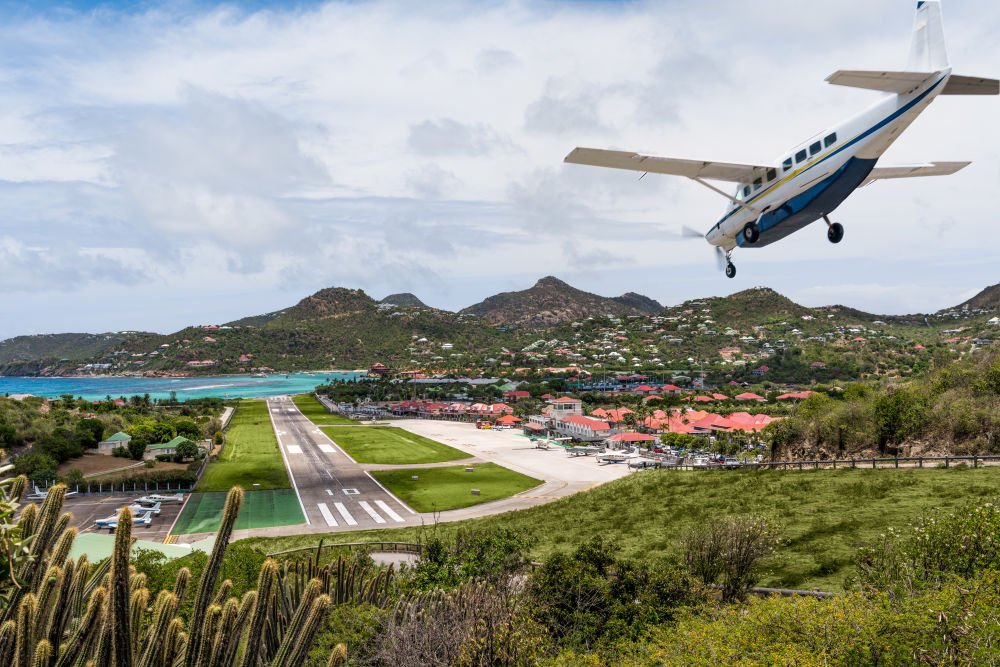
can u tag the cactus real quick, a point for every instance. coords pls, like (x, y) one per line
(338, 656)
(265, 584)
(181, 582)
(119, 614)
(296, 644)
(208, 576)
(85, 630)
(42, 654)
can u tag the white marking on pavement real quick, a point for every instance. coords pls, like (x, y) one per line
(294, 449)
(371, 512)
(329, 492)
(288, 469)
(390, 493)
(327, 448)
(327, 516)
(388, 510)
(344, 513)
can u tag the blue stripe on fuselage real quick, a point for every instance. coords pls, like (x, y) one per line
(878, 126)
(812, 204)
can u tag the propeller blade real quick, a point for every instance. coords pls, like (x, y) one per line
(692, 233)
(720, 258)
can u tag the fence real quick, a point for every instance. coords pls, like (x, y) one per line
(125, 488)
(889, 462)
(395, 547)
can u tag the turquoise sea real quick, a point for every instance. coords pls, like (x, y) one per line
(221, 386)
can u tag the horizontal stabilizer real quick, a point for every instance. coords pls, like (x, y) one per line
(915, 170)
(716, 171)
(889, 82)
(971, 85)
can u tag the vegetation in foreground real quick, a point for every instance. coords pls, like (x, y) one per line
(317, 413)
(449, 488)
(250, 456)
(390, 445)
(823, 514)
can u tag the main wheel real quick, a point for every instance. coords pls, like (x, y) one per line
(750, 232)
(835, 233)
(730, 270)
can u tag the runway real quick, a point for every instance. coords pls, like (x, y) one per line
(335, 492)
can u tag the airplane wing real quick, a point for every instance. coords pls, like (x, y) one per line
(914, 170)
(715, 171)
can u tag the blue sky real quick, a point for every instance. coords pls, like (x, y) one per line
(166, 164)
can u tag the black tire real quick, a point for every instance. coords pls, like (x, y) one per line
(750, 232)
(835, 233)
(730, 270)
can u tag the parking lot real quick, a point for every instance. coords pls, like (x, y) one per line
(88, 509)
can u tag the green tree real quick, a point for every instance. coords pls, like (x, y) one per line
(136, 448)
(187, 450)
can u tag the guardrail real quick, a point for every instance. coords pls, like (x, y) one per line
(884, 462)
(394, 547)
(782, 592)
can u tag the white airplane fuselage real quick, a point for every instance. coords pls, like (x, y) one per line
(804, 190)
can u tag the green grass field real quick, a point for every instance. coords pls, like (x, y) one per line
(824, 514)
(310, 406)
(250, 456)
(440, 489)
(391, 445)
(261, 509)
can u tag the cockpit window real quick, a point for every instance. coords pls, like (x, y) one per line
(746, 192)
(756, 185)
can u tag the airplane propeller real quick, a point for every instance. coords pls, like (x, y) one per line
(720, 255)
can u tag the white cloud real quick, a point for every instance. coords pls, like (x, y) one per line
(185, 151)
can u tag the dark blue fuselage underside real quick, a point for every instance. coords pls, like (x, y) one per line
(812, 204)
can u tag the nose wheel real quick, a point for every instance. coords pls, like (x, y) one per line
(834, 231)
(730, 267)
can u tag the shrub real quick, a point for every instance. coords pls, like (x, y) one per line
(730, 551)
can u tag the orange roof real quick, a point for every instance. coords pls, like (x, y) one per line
(632, 437)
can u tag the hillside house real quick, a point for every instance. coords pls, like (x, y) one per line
(165, 448)
(119, 439)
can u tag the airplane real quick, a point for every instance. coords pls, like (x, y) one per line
(139, 508)
(111, 522)
(617, 457)
(157, 498)
(807, 182)
(40, 494)
(583, 450)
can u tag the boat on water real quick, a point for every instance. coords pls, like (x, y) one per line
(259, 375)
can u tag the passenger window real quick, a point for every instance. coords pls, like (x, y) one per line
(800, 156)
(787, 164)
(756, 185)
(771, 173)
(746, 192)
(830, 140)
(815, 148)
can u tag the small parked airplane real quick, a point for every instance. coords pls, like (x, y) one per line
(157, 498)
(809, 181)
(141, 508)
(39, 494)
(111, 522)
(582, 450)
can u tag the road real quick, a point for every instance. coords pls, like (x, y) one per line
(336, 493)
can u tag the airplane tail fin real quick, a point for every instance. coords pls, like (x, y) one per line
(927, 50)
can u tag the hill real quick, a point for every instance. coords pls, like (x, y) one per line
(72, 346)
(404, 300)
(988, 299)
(551, 302)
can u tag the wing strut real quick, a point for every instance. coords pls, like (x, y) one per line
(727, 196)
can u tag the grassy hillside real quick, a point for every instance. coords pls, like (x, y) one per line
(72, 346)
(824, 514)
(250, 456)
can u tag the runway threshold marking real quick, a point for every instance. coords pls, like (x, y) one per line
(388, 510)
(327, 449)
(327, 515)
(371, 512)
(348, 519)
(294, 449)
(329, 492)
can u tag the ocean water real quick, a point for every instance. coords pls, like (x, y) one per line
(221, 386)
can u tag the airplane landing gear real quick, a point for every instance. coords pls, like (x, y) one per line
(834, 231)
(751, 232)
(730, 270)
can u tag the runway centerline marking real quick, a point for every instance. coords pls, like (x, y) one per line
(348, 519)
(327, 515)
(371, 512)
(329, 492)
(388, 510)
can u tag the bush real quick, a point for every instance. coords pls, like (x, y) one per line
(730, 551)
(36, 467)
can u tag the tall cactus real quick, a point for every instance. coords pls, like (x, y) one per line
(119, 612)
(233, 502)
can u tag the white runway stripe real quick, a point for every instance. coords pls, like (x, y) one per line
(348, 519)
(294, 449)
(329, 492)
(388, 510)
(327, 515)
(327, 448)
(371, 512)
